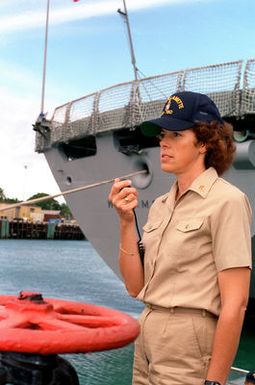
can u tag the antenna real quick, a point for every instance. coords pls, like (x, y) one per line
(45, 57)
(131, 47)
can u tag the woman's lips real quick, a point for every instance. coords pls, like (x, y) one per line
(166, 156)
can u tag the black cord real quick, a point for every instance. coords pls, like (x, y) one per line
(139, 243)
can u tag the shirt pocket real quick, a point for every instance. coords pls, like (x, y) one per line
(189, 225)
(189, 235)
(151, 226)
(151, 238)
(151, 233)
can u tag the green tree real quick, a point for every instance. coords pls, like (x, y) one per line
(50, 204)
(65, 211)
(2, 195)
(5, 199)
(12, 200)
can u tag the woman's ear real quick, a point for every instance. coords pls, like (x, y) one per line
(203, 148)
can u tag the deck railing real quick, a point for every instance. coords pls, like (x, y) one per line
(231, 85)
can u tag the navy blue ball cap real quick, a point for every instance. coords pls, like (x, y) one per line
(182, 111)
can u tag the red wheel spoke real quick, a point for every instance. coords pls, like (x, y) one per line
(12, 323)
(55, 324)
(89, 321)
(3, 312)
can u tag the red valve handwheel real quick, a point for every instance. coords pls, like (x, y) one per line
(53, 326)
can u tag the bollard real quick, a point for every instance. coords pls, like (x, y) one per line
(50, 232)
(31, 369)
(4, 229)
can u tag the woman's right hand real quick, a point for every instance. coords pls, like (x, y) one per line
(124, 199)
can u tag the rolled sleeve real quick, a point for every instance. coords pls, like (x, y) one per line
(231, 233)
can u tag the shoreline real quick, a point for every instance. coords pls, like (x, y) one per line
(18, 229)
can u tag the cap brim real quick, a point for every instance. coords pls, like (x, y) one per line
(154, 127)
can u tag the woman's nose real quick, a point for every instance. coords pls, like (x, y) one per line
(164, 143)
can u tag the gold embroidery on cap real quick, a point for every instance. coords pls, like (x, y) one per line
(167, 109)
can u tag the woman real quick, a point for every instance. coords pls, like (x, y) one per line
(196, 273)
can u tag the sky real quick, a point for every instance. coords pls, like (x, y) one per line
(88, 50)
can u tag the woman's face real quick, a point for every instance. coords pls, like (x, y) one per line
(180, 152)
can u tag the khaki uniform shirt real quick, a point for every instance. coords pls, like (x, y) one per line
(188, 241)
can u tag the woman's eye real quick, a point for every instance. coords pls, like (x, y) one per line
(173, 134)
(160, 136)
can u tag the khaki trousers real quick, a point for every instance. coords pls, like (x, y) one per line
(174, 346)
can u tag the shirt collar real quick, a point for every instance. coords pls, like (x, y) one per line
(201, 185)
(171, 194)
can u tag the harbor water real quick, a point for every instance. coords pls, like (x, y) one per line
(72, 270)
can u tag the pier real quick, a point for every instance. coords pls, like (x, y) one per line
(20, 229)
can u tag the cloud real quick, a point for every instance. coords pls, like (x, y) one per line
(78, 11)
(17, 149)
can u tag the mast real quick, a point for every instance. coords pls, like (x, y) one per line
(131, 47)
(45, 56)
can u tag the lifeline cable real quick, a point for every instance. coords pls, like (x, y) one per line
(77, 189)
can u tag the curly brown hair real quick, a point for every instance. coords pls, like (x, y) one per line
(218, 138)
